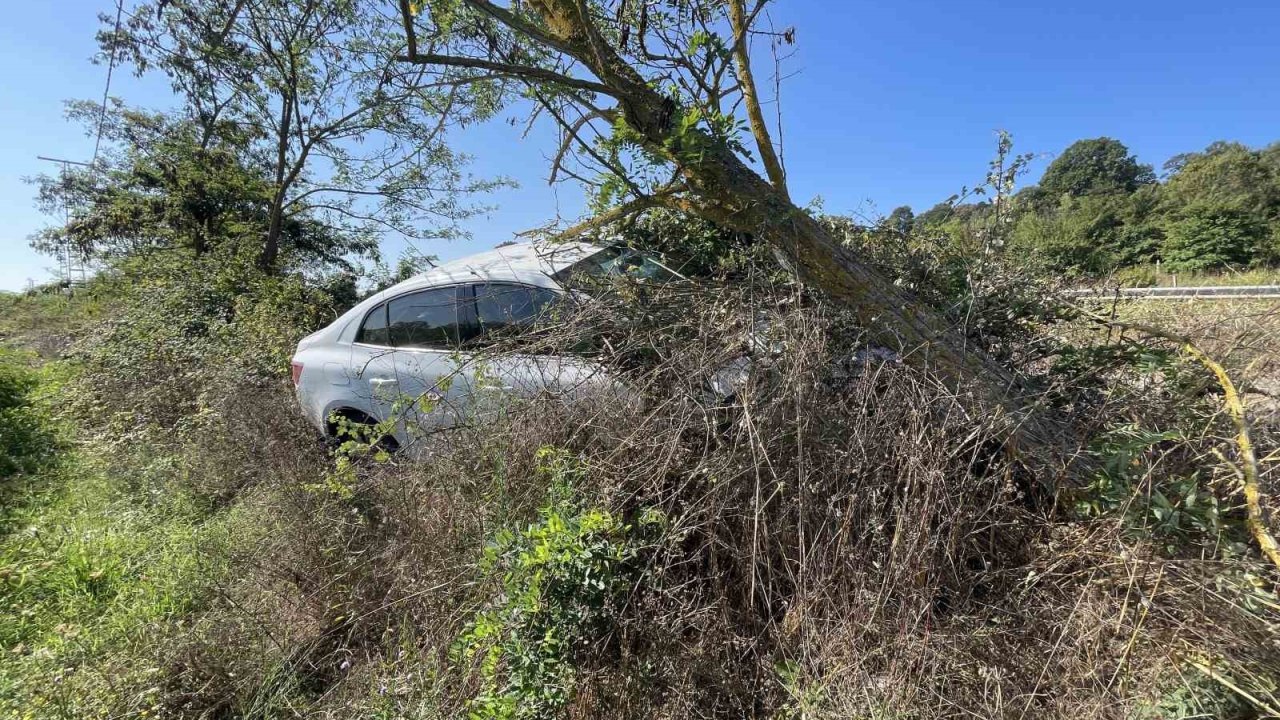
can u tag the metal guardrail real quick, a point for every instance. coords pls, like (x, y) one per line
(1225, 292)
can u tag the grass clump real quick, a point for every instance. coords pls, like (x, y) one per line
(28, 440)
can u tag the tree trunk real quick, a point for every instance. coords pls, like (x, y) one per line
(731, 194)
(724, 189)
(271, 245)
(275, 221)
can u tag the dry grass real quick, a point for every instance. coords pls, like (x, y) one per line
(843, 537)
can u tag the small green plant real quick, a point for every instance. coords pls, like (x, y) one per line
(356, 440)
(1195, 696)
(559, 585)
(360, 439)
(804, 696)
(1174, 507)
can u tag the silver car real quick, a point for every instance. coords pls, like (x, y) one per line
(414, 353)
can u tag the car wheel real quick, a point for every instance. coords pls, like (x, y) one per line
(361, 425)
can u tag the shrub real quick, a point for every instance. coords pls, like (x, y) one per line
(839, 534)
(1207, 238)
(561, 581)
(188, 339)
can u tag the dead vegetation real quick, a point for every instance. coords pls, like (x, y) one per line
(764, 517)
(843, 537)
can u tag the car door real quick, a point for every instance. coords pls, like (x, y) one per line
(499, 310)
(431, 373)
(373, 371)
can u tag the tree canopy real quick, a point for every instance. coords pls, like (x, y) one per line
(345, 139)
(1097, 165)
(1097, 210)
(167, 183)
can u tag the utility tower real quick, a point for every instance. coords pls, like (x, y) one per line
(71, 262)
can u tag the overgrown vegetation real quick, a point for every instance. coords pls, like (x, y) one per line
(808, 494)
(26, 440)
(1098, 211)
(843, 538)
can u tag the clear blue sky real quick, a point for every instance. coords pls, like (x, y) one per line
(890, 103)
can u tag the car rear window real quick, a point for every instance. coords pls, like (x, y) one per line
(499, 305)
(495, 307)
(374, 329)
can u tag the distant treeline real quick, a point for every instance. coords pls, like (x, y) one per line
(1097, 210)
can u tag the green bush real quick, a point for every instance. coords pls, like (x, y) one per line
(183, 331)
(560, 582)
(1208, 238)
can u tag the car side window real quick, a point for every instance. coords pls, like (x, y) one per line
(503, 305)
(426, 319)
(374, 329)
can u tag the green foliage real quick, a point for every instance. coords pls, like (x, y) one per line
(690, 245)
(1192, 695)
(1078, 361)
(89, 577)
(560, 582)
(1074, 236)
(1099, 165)
(805, 698)
(1226, 175)
(1222, 209)
(1137, 276)
(95, 566)
(1206, 237)
(1097, 210)
(900, 220)
(27, 439)
(955, 257)
(341, 146)
(174, 184)
(1090, 234)
(182, 324)
(1160, 505)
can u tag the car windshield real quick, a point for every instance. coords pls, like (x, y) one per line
(618, 261)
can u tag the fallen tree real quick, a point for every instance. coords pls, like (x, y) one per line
(648, 97)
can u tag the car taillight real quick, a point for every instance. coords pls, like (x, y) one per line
(296, 368)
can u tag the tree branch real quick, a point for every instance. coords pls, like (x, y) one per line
(515, 22)
(742, 59)
(523, 72)
(661, 198)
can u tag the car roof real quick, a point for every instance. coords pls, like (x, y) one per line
(528, 262)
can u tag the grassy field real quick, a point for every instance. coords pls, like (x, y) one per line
(95, 563)
(1242, 333)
